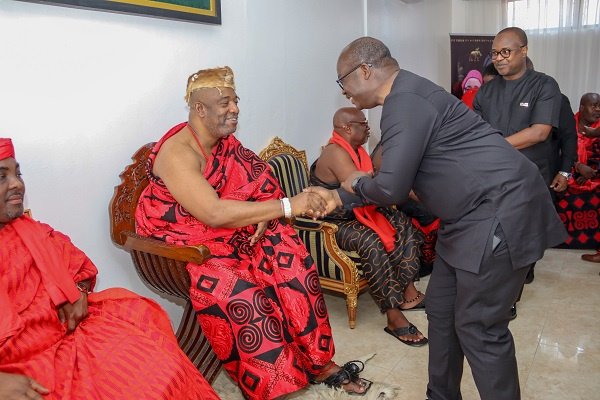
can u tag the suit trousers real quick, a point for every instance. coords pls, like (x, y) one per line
(468, 316)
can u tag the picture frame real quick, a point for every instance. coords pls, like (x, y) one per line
(201, 11)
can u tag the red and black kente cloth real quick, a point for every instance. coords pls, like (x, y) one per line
(579, 206)
(260, 306)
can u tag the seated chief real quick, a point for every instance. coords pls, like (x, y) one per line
(258, 299)
(385, 238)
(58, 340)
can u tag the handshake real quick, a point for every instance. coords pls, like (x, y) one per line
(316, 202)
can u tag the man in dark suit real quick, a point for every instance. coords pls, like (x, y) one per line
(496, 215)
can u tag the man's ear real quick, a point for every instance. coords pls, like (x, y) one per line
(200, 109)
(366, 70)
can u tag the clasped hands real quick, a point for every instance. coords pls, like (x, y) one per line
(322, 201)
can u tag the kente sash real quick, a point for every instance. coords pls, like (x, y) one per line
(368, 215)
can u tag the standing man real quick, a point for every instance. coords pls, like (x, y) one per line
(524, 105)
(496, 215)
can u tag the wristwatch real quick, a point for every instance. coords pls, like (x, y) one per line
(566, 174)
(355, 183)
(82, 288)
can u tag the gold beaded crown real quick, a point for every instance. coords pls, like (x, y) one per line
(210, 78)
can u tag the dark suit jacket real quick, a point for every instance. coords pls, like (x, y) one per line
(464, 171)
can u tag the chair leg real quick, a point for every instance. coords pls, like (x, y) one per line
(351, 303)
(196, 346)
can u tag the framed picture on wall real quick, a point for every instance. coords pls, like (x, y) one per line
(206, 11)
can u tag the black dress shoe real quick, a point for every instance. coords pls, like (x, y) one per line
(530, 276)
(513, 312)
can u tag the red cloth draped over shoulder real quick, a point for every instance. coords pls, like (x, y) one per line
(260, 305)
(368, 215)
(59, 284)
(585, 147)
(124, 349)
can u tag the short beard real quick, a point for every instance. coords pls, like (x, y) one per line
(15, 214)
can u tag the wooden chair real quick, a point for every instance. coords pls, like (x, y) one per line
(160, 265)
(338, 270)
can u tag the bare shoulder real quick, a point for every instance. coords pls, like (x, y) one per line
(176, 153)
(335, 154)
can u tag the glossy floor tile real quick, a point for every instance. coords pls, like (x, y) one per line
(557, 336)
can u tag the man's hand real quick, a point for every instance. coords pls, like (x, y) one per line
(347, 184)
(307, 203)
(260, 231)
(586, 172)
(559, 183)
(20, 387)
(590, 132)
(331, 197)
(74, 313)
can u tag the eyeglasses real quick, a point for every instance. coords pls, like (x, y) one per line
(363, 123)
(339, 80)
(505, 53)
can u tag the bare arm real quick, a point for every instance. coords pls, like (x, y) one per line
(527, 137)
(180, 168)
(335, 164)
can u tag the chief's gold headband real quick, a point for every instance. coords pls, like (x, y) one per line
(210, 78)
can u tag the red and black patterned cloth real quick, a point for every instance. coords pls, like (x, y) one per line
(260, 306)
(579, 206)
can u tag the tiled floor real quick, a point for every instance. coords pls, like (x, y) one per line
(557, 336)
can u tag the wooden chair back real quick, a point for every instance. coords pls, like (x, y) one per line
(160, 265)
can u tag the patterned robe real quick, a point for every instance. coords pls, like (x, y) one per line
(260, 306)
(124, 349)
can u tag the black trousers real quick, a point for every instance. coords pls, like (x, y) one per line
(468, 316)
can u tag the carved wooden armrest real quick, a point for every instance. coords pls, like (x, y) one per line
(195, 254)
(162, 265)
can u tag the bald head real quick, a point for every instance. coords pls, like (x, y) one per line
(345, 115)
(367, 50)
(589, 98)
(520, 33)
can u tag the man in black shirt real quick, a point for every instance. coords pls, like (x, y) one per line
(525, 106)
(496, 215)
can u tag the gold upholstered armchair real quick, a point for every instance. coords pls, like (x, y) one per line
(160, 265)
(338, 270)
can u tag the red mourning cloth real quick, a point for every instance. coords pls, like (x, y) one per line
(587, 150)
(124, 349)
(368, 215)
(48, 260)
(6, 149)
(260, 305)
(469, 96)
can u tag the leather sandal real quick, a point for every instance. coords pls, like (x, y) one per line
(347, 373)
(407, 330)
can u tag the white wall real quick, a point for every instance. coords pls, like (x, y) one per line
(81, 90)
(417, 34)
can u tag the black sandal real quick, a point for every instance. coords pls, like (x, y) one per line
(407, 330)
(347, 373)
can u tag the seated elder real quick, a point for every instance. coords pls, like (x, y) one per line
(58, 340)
(258, 299)
(580, 208)
(385, 238)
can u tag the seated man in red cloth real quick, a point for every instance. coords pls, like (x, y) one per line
(385, 239)
(585, 183)
(58, 340)
(258, 299)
